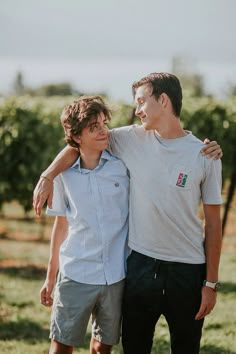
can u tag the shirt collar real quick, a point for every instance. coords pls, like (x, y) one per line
(105, 156)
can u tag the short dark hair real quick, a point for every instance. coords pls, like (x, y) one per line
(79, 114)
(163, 83)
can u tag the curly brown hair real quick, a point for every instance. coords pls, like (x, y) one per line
(81, 113)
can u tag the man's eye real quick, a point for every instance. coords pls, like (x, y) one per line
(92, 127)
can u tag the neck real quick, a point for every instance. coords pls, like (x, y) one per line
(170, 134)
(170, 128)
(89, 160)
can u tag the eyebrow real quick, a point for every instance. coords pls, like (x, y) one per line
(95, 122)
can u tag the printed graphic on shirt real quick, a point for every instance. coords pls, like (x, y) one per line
(182, 179)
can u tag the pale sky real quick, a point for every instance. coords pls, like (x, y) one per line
(127, 33)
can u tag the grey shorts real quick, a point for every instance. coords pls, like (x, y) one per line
(73, 305)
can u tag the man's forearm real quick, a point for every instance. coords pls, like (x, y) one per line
(44, 189)
(213, 242)
(62, 161)
(59, 234)
(53, 266)
(213, 250)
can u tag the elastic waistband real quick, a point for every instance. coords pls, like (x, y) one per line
(161, 261)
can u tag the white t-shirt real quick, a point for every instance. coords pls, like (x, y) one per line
(168, 179)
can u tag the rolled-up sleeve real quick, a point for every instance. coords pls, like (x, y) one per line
(212, 184)
(59, 202)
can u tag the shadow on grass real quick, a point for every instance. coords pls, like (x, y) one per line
(228, 287)
(161, 346)
(30, 332)
(22, 329)
(32, 237)
(3, 236)
(212, 349)
(30, 271)
(214, 326)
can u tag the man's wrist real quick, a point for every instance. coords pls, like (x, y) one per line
(51, 277)
(213, 285)
(46, 178)
(50, 173)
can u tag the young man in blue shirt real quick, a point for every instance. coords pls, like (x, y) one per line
(89, 237)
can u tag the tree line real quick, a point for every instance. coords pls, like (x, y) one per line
(31, 136)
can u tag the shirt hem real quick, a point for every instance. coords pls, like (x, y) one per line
(82, 281)
(155, 255)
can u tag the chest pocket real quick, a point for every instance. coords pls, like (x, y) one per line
(181, 178)
(114, 188)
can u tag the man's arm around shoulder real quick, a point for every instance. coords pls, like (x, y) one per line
(44, 189)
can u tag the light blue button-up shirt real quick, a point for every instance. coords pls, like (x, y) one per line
(95, 203)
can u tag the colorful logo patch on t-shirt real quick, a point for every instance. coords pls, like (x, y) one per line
(182, 179)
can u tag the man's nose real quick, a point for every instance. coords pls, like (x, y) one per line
(103, 129)
(137, 111)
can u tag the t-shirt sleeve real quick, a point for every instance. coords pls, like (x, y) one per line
(59, 201)
(119, 140)
(212, 183)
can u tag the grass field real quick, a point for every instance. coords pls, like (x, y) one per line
(24, 323)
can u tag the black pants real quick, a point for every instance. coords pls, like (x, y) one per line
(154, 288)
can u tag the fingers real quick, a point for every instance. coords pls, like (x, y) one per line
(215, 153)
(210, 145)
(206, 141)
(212, 150)
(38, 205)
(35, 201)
(207, 304)
(37, 210)
(45, 297)
(203, 311)
(50, 200)
(42, 192)
(41, 200)
(218, 156)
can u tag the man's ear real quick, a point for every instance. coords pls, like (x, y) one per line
(163, 98)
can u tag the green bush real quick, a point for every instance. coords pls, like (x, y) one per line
(31, 136)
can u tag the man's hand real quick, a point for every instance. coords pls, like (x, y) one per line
(43, 192)
(45, 293)
(212, 149)
(208, 302)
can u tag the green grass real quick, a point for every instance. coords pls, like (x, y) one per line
(24, 322)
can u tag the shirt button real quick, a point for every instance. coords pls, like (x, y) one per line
(116, 184)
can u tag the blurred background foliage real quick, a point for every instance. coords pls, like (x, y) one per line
(31, 134)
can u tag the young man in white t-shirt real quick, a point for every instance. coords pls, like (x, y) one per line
(89, 237)
(173, 269)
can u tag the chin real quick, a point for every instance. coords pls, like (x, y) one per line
(147, 126)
